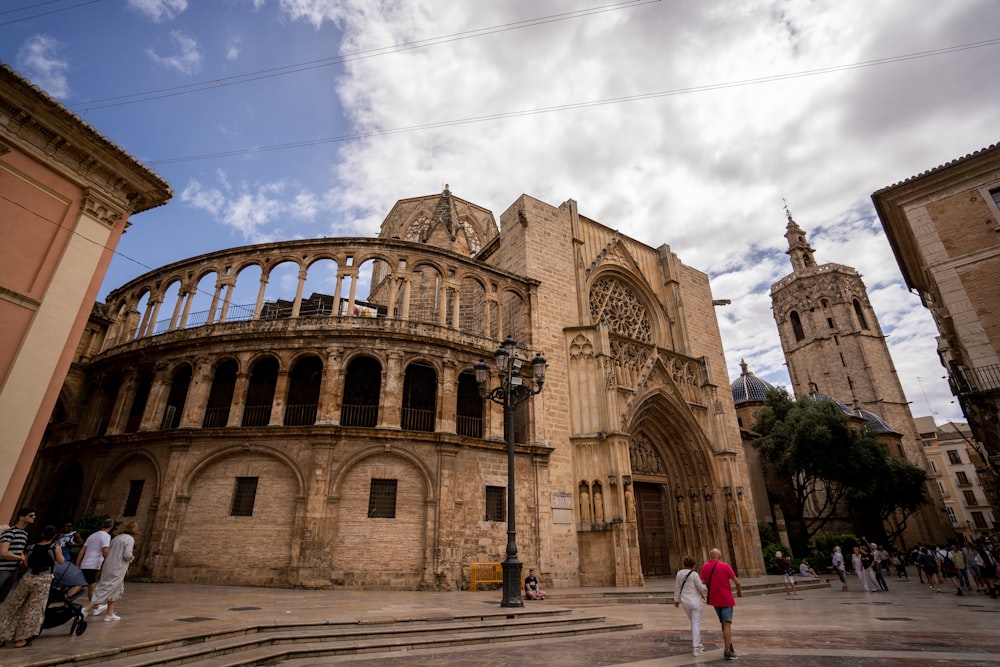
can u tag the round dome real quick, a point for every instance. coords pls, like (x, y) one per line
(816, 396)
(875, 423)
(748, 388)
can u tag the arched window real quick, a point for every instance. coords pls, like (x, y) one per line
(179, 384)
(260, 392)
(362, 385)
(470, 406)
(797, 326)
(861, 314)
(419, 397)
(142, 390)
(220, 398)
(303, 392)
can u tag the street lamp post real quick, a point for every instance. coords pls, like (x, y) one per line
(511, 393)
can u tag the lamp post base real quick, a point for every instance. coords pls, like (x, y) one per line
(511, 583)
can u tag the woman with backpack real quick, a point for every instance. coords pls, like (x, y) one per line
(21, 620)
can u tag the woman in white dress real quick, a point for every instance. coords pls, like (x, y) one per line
(111, 587)
(689, 592)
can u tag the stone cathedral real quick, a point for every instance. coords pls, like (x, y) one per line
(336, 437)
(835, 349)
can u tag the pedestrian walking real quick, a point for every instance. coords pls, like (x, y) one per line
(840, 566)
(716, 574)
(785, 568)
(689, 593)
(859, 569)
(111, 587)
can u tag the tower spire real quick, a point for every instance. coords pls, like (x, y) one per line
(798, 247)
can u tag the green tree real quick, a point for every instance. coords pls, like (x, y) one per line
(898, 491)
(824, 457)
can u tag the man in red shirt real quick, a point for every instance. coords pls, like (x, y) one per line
(716, 575)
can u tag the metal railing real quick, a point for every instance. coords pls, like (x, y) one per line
(359, 415)
(470, 427)
(414, 419)
(975, 380)
(300, 415)
(257, 415)
(216, 417)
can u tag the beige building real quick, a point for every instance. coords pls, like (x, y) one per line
(335, 436)
(944, 228)
(956, 461)
(834, 347)
(66, 194)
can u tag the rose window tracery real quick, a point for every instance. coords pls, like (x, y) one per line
(614, 304)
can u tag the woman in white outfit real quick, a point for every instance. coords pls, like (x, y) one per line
(111, 587)
(689, 592)
(859, 569)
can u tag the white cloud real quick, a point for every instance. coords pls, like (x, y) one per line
(704, 172)
(233, 48)
(315, 12)
(159, 10)
(186, 60)
(40, 59)
(258, 211)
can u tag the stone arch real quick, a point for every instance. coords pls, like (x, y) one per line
(673, 482)
(181, 375)
(362, 391)
(626, 306)
(516, 317)
(472, 305)
(238, 549)
(304, 383)
(261, 384)
(420, 395)
(426, 291)
(382, 552)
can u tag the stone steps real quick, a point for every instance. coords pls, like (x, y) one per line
(271, 644)
(666, 596)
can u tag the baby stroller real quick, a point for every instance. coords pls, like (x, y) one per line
(61, 607)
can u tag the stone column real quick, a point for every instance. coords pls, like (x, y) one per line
(260, 296)
(280, 399)
(154, 305)
(331, 392)
(239, 399)
(447, 408)
(123, 402)
(226, 302)
(210, 318)
(297, 304)
(405, 314)
(159, 391)
(175, 317)
(188, 301)
(391, 396)
(197, 396)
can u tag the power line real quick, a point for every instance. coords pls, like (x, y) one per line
(48, 13)
(237, 79)
(583, 105)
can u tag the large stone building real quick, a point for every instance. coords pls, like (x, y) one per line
(66, 194)
(325, 439)
(958, 467)
(944, 228)
(835, 348)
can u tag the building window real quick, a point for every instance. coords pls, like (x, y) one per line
(495, 501)
(382, 499)
(979, 520)
(951, 515)
(829, 322)
(134, 494)
(933, 466)
(927, 443)
(962, 477)
(995, 193)
(861, 314)
(797, 326)
(970, 497)
(244, 496)
(953, 456)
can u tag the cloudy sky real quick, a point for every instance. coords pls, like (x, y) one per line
(676, 122)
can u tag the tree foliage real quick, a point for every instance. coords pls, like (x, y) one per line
(832, 464)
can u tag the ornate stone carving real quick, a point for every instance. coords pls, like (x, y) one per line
(101, 211)
(581, 346)
(614, 304)
(420, 230)
(644, 458)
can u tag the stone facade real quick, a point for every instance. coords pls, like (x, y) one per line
(330, 440)
(66, 194)
(944, 228)
(834, 347)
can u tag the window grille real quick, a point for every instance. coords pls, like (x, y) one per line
(495, 503)
(382, 499)
(244, 496)
(134, 494)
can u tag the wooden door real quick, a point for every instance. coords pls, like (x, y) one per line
(653, 535)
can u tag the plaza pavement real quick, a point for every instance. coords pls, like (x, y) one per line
(910, 625)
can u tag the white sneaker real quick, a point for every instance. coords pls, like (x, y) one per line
(698, 650)
(111, 618)
(98, 610)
